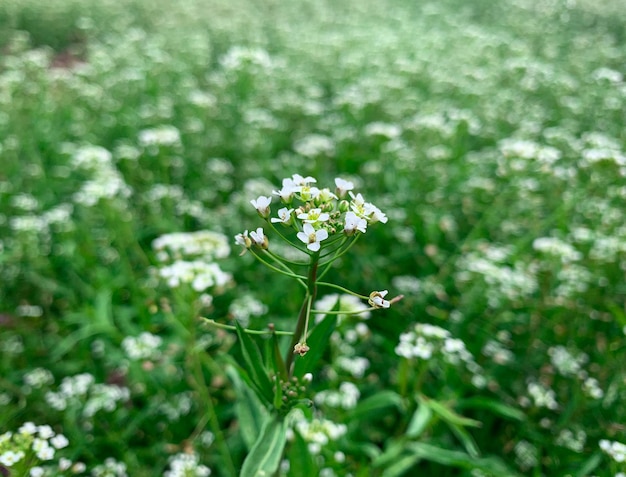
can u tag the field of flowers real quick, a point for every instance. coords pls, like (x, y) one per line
(185, 190)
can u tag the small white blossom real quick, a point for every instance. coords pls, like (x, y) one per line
(377, 299)
(343, 187)
(262, 205)
(314, 216)
(312, 237)
(354, 223)
(288, 190)
(259, 237)
(284, 216)
(59, 441)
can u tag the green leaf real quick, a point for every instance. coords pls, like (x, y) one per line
(393, 451)
(376, 404)
(301, 460)
(466, 439)
(589, 466)
(317, 342)
(254, 366)
(455, 422)
(401, 465)
(452, 458)
(494, 406)
(447, 414)
(278, 394)
(251, 414)
(278, 364)
(420, 420)
(266, 454)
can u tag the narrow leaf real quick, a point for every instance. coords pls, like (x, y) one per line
(251, 414)
(374, 405)
(420, 420)
(447, 414)
(278, 362)
(453, 458)
(254, 366)
(494, 406)
(266, 454)
(589, 466)
(393, 451)
(301, 460)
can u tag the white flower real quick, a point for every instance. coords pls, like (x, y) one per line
(43, 449)
(259, 237)
(374, 214)
(313, 216)
(262, 205)
(343, 187)
(28, 428)
(302, 181)
(45, 432)
(377, 300)
(36, 471)
(354, 223)
(243, 240)
(286, 193)
(284, 216)
(10, 457)
(312, 237)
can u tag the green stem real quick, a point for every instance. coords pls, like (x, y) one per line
(303, 317)
(339, 253)
(326, 312)
(245, 330)
(269, 265)
(202, 390)
(345, 290)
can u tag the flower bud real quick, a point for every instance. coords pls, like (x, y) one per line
(301, 349)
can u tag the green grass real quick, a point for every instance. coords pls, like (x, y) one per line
(497, 125)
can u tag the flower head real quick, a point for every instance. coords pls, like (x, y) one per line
(284, 216)
(262, 205)
(243, 240)
(301, 349)
(287, 192)
(259, 238)
(312, 237)
(314, 216)
(354, 223)
(343, 187)
(377, 299)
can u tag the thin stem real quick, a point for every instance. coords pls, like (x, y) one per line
(297, 334)
(283, 259)
(281, 263)
(326, 312)
(199, 383)
(269, 265)
(303, 317)
(275, 229)
(345, 290)
(339, 254)
(245, 330)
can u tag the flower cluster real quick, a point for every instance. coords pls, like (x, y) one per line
(318, 433)
(316, 215)
(189, 258)
(81, 390)
(186, 465)
(428, 342)
(616, 450)
(30, 447)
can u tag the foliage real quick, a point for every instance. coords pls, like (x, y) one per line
(134, 134)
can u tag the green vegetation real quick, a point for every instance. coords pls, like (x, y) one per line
(133, 135)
